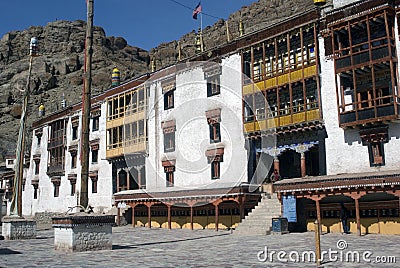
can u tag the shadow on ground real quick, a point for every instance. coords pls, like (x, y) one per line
(7, 251)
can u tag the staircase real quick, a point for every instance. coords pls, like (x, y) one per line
(259, 220)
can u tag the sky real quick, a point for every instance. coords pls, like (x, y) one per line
(144, 24)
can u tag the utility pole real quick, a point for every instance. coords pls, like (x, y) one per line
(84, 200)
(16, 200)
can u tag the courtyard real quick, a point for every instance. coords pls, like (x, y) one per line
(143, 247)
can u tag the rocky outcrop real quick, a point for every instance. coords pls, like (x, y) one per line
(57, 71)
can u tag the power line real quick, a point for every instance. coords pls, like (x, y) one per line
(191, 9)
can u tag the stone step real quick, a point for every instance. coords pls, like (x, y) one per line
(259, 220)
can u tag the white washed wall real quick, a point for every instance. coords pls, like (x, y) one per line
(192, 131)
(46, 200)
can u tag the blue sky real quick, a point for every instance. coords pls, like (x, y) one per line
(142, 23)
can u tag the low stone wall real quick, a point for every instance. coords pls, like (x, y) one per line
(83, 233)
(18, 228)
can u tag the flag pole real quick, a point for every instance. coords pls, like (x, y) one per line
(201, 31)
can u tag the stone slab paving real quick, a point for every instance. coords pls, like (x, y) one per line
(142, 247)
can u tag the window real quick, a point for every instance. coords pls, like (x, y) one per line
(94, 185)
(73, 186)
(215, 170)
(169, 179)
(10, 162)
(213, 120)
(72, 180)
(169, 135)
(73, 160)
(169, 142)
(35, 191)
(38, 134)
(215, 157)
(93, 175)
(56, 146)
(37, 165)
(213, 86)
(169, 100)
(56, 190)
(215, 133)
(56, 183)
(95, 156)
(95, 123)
(376, 154)
(169, 169)
(74, 132)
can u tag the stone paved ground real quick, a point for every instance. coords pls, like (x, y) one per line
(141, 247)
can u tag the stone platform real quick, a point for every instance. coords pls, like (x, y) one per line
(83, 232)
(16, 228)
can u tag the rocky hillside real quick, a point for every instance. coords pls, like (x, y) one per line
(59, 69)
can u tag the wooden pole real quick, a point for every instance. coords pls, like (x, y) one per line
(318, 214)
(118, 216)
(303, 165)
(358, 217)
(16, 200)
(149, 215)
(191, 217)
(169, 216)
(84, 200)
(317, 243)
(216, 217)
(133, 217)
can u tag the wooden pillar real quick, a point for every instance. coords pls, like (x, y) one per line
(139, 175)
(356, 197)
(317, 198)
(133, 217)
(241, 208)
(191, 217)
(118, 217)
(128, 178)
(169, 216)
(216, 217)
(317, 205)
(358, 217)
(118, 170)
(149, 215)
(276, 163)
(303, 164)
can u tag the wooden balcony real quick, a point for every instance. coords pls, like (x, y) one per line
(369, 115)
(279, 80)
(130, 147)
(282, 121)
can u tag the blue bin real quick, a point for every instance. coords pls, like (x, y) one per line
(280, 225)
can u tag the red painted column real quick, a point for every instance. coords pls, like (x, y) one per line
(128, 178)
(216, 217)
(318, 215)
(303, 164)
(241, 208)
(276, 163)
(133, 217)
(169, 216)
(118, 217)
(191, 217)
(358, 217)
(118, 187)
(149, 215)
